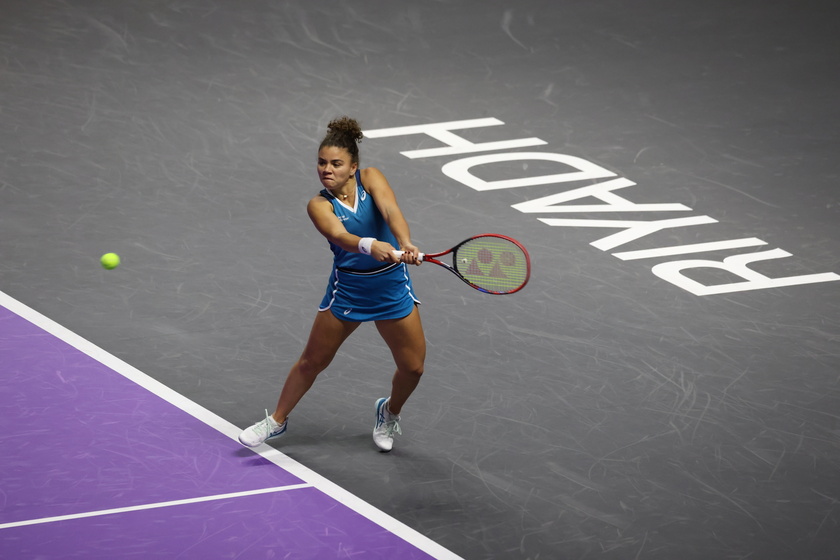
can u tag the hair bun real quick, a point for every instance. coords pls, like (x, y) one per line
(346, 126)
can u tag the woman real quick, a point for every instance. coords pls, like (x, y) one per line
(358, 214)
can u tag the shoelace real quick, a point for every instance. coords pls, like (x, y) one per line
(391, 427)
(265, 425)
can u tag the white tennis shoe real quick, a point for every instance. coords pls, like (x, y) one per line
(386, 426)
(262, 431)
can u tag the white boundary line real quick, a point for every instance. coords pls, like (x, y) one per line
(309, 476)
(142, 507)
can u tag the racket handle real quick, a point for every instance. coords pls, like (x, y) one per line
(399, 253)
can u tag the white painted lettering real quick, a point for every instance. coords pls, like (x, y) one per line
(693, 248)
(460, 170)
(455, 144)
(601, 191)
(633, 229)
(583, 170)
(737, 265)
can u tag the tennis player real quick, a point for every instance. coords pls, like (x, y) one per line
(358, 214)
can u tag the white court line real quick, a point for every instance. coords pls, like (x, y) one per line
(142, 507)
(326, 486)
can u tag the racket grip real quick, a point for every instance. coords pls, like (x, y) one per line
(399, 253)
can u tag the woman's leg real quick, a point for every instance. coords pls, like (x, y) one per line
(407, 342)
(326, 337)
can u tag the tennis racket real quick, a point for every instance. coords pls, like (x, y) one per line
(490, 263)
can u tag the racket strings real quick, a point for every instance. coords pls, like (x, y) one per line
(493, 264)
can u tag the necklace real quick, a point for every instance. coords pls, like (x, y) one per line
(345, 196)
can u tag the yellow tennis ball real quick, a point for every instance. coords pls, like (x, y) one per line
(110, 261)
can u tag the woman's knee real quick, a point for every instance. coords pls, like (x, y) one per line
(413, 369)
(311, 366)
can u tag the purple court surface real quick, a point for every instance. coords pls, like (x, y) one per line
(97, 466)
(667, 385)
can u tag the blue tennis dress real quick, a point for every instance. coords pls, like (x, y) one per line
(362, 288)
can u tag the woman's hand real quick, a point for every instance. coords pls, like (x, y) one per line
(385, 252)
(411, 255)
(382, 251)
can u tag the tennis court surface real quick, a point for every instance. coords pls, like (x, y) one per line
(665, 387)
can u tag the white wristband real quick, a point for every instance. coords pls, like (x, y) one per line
(365, 244)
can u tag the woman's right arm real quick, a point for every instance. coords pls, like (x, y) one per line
(321, 213)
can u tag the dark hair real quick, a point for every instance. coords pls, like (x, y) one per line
(346, 133)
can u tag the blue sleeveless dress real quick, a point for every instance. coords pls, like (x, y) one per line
(362, 288)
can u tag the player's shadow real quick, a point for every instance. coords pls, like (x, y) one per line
(291, 446)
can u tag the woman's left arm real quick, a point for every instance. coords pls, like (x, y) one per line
(386, 201)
